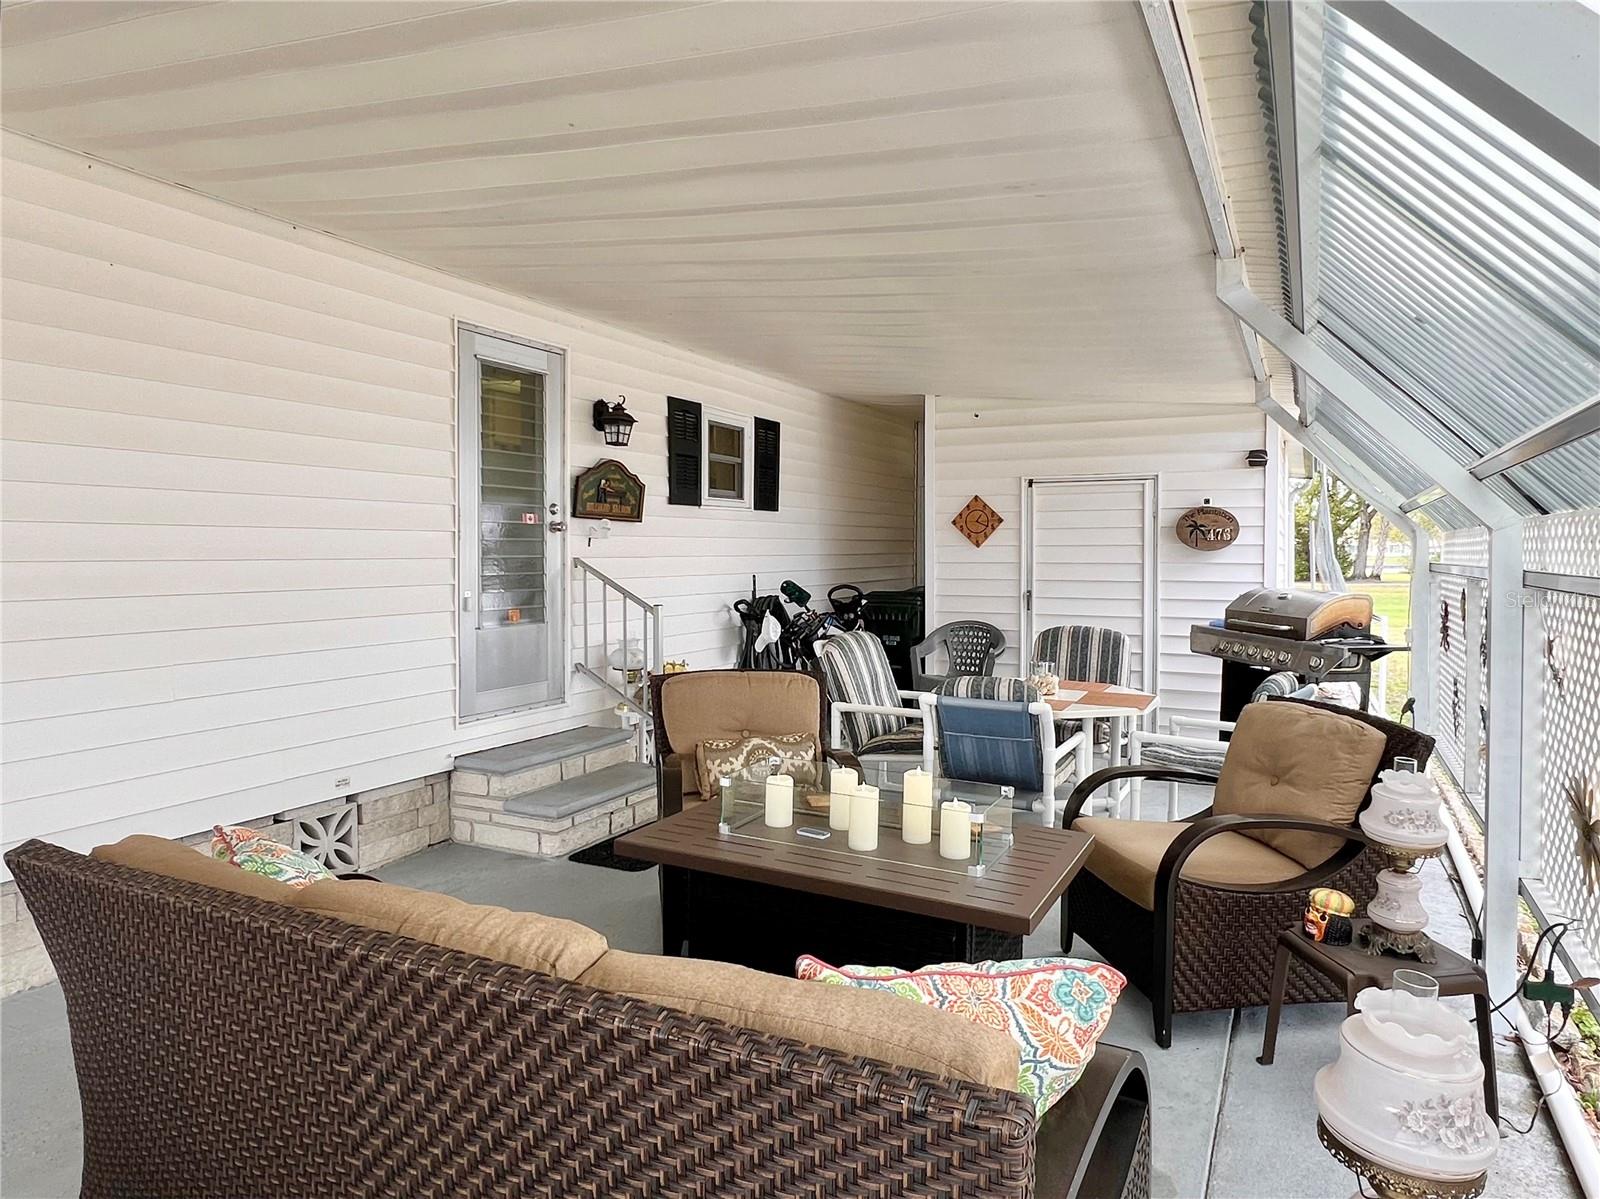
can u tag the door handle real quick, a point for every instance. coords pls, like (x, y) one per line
(557, 526)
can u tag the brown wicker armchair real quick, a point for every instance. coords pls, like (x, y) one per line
(359, 1063)
(1197, 933)
(692, 705)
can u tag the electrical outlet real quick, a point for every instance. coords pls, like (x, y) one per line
(1547, 990)
(341, 784)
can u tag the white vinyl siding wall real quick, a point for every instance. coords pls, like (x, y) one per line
(990, 447)
(229, 548)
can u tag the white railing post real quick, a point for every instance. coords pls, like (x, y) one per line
(1506, 598)
(1422, 660)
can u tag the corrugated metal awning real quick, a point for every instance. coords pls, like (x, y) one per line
(1458, 263)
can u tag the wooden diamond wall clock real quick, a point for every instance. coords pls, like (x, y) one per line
(977, 521)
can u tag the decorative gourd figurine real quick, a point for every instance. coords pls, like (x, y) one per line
(1328, 915)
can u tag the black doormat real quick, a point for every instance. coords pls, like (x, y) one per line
(604, 853)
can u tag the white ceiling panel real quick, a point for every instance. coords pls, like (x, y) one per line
(874, 199)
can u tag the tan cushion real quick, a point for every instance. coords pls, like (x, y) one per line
(157, 855)
(543, 943)
(736, 703)
(1127, 853)
(871, 1024)
(1291, 760)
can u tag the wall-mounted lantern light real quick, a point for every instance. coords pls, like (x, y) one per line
(1256, 458)
(614, 421)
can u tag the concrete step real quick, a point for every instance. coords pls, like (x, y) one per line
(555, 816)
(557, 747)
(509, 770)
(587, 791)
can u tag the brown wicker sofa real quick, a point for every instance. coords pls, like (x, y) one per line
(230, 1044)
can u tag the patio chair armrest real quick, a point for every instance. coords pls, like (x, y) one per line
(1204, 828)
(1174, 739)
(879, 709)
(843, 757)
(1179, 723)
(1158, 774)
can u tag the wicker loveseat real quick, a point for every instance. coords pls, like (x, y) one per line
(227, 1044)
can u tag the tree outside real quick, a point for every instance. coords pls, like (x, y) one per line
(1374, 558)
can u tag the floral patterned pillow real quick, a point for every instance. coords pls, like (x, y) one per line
(1055, 1008)
(721, 756)
(249, 850)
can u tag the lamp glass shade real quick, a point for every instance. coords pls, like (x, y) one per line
(1407, 1088)
(627, 656)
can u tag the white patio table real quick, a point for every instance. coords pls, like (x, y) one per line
(1076, 700)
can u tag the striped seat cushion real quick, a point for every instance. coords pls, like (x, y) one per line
(989, 687)
(858, 672)
(1206, 761)
(902, 741)
(1084, 653)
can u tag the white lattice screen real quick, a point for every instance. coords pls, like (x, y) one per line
(1457, 613)
(1568, 733)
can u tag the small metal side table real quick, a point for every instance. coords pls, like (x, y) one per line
(1356, 970)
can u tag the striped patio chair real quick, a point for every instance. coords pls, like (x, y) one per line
(1182, 750)
(1085, 653)
(867, 715)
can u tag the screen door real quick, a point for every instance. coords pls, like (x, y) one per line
(1092, 560)
(510, 406)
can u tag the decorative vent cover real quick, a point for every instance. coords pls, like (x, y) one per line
(977, 521)
(327, 832)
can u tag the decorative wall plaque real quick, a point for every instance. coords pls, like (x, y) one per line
(1208, 528)
(608, 491)
(977, 521)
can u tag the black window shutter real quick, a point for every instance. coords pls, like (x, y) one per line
(766, 474)
(683, 451)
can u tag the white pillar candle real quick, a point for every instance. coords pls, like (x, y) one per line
(955, 830)
(916, 807)
(842, 784)
(780, 801)
(864, 819)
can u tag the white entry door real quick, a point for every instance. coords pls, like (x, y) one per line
(511, 425)
(1091, 560)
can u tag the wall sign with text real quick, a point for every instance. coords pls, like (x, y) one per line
(1208, 528)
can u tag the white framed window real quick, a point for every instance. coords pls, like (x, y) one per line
(727, 441)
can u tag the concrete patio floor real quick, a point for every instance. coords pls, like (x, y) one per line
(1224, 1127)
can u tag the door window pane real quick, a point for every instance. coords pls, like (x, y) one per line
(511, 497)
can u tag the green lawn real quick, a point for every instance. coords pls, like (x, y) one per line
(1391, 599)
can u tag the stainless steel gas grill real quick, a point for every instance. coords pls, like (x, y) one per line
(1320, 636)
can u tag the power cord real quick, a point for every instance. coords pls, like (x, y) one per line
(1560, 928)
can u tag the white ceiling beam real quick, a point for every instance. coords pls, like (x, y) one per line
(1367, 404)
(1178, 74)
(1294, 41)
(1327, 446)
(1576, 422)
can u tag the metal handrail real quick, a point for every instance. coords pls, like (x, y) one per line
(582, 565)
(650, 638)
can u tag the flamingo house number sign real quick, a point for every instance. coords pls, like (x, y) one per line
(1208, 528)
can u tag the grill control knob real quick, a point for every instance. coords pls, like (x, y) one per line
(1283, 656)
(1252, 652)
(1316, 663)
